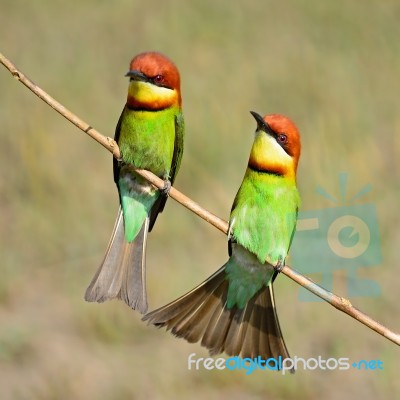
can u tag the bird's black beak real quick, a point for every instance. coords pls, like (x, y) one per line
(136, 75)
(261, 124)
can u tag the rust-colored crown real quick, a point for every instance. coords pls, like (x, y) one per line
(153, 64)
(281, 124)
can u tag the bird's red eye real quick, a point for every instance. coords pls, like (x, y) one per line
(158, 79)
(282, 138)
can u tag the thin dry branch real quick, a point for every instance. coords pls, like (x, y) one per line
(340, 303)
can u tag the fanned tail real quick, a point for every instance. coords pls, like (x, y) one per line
(121, 275)
(202, 314)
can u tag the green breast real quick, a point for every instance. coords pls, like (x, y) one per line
(147, 139)
(264, 215)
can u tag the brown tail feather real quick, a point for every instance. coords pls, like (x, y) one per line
(202, 315)
(121, 275)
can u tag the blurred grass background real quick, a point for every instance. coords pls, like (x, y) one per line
(333, 67)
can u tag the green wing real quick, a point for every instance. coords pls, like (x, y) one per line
(116, 163)
(175, 164)
(178, 146)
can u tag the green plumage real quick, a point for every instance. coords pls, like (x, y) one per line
(147, 138)
(151, 140)
(150, 134)
(263, 220)
(136, 204)
(233, 310)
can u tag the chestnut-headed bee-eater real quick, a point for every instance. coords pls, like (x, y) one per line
(234, 311)
(150, 135)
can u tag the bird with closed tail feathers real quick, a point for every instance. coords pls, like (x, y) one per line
(234, 310)
(150, 135)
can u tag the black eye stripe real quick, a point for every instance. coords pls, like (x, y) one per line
(159, 80)
(280, 137)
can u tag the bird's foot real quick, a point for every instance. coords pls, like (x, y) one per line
(167, 187)
(230, 229)
(279, 266)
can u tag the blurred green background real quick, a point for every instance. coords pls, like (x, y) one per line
(333, 67)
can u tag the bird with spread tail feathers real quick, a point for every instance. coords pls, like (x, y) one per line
(234, 310)
(150, 135)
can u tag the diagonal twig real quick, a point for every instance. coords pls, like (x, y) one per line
(338, 302)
